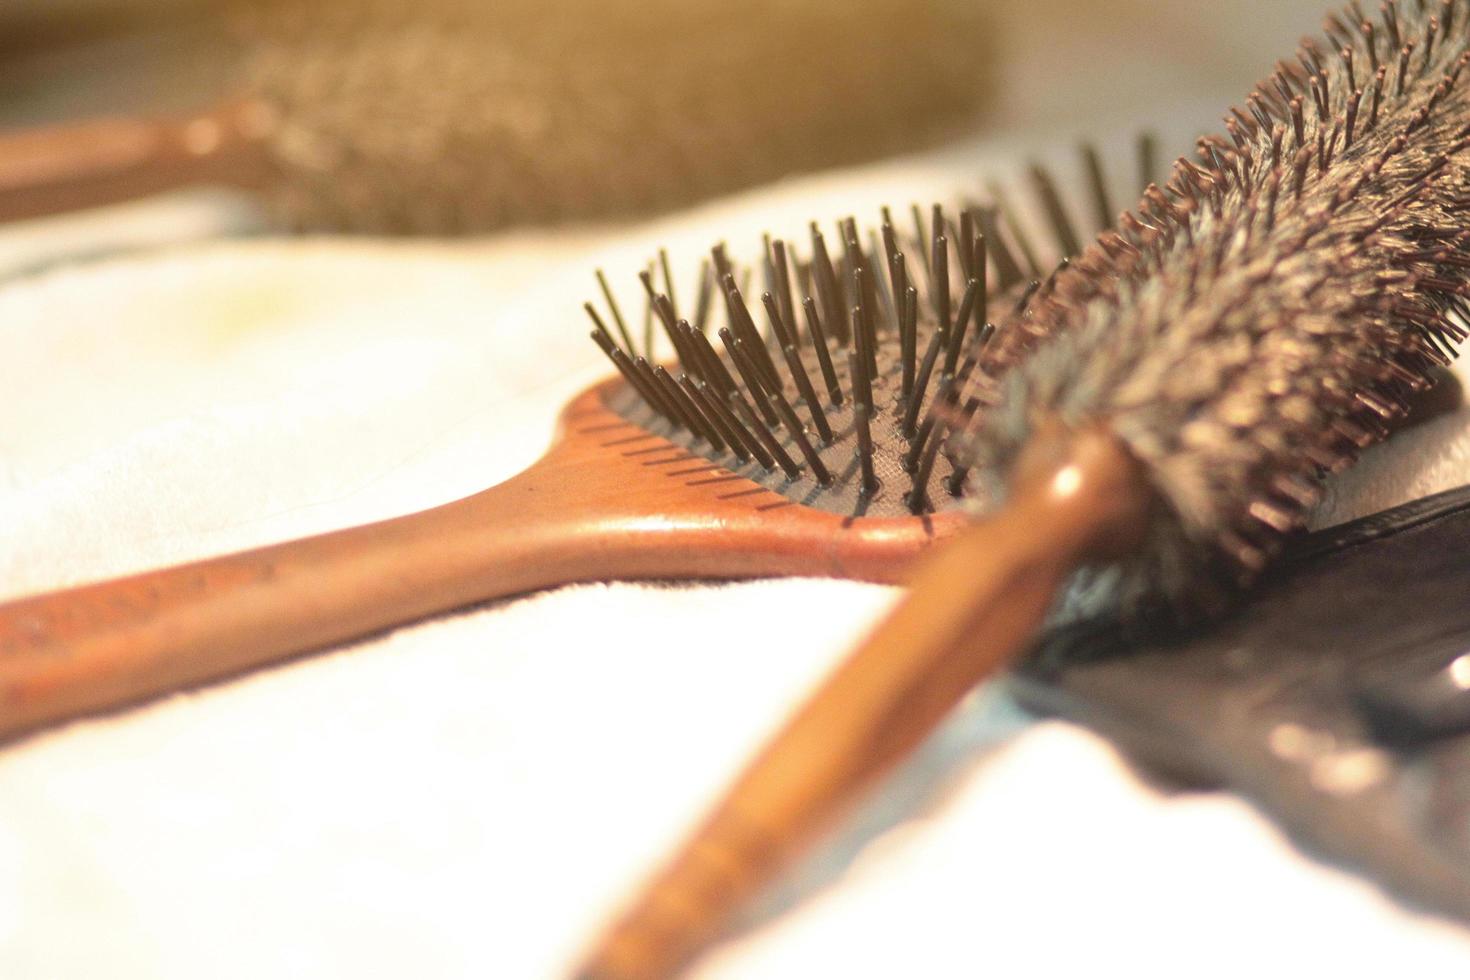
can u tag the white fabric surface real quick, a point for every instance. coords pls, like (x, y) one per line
(473, 795)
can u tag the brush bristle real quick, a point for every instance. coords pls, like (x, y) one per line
(838, 402)
(452, 116)
(1262, 317)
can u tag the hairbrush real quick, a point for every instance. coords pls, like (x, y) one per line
(808, 447)
(1254, 324)
(459, 116)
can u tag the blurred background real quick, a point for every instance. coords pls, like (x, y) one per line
(458, 115)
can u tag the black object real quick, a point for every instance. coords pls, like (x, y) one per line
(1337, 697)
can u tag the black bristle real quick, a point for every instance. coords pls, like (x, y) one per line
(939, 288)
(803, 444)
(742, 436)
(1098, 183)
(702, 300)
(921, 238)
(1056, 211)
(745, 330)
(824, 355)
(783, 284)
(653, 391)
(863, 323)
(745, 364)
(921, 385)
(763, 433)
(862, 413)
(612, 305)
(862, 379)
(663, 261)
(918, 495)
(1007, 269)
(961, 324)
(829, 293)
(797, 370)
(698, 424)
(714, 418)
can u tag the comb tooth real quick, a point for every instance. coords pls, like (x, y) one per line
(921, 385)
(1056, 212)
(702, 301)
(828, 292)
(741, 436)
(698, 424)
(715, 419)
(862, 381)
(1008, 271)
(1098, 182)
(798, 435)
(824, 356)
(961, 323)
(799, 375)
(956, 482)
(939, 289)
(773, 448)
(612, 305)
(860, 417)
(936, 235)
(748, 371)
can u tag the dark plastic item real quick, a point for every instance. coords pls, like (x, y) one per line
(1337, 697)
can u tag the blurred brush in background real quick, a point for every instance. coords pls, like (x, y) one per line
(452, 116)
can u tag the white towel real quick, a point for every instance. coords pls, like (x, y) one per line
(473, 795)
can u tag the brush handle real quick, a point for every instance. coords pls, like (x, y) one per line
(974, 607)
(105, 161)
(99, 646)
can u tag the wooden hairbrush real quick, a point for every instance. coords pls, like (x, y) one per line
(449, 117)
(1252, 326)
(809, 449)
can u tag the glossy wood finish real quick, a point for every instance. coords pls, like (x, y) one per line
(609, 501)
(107, 161)
(974, 606)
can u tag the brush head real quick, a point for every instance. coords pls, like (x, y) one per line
(839, 400)
(460, 115)
(1262, 317)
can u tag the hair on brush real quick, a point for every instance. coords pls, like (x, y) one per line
(1263, 317)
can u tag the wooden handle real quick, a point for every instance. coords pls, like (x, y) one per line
(975, 606)
(100, 646)
(105, 161)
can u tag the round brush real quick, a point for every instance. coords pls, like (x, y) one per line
(461, 116)
(1177, 393)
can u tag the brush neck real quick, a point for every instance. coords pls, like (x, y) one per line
(107, 161)
(974, 606)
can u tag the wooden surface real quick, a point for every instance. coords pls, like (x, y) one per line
(609, 501)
